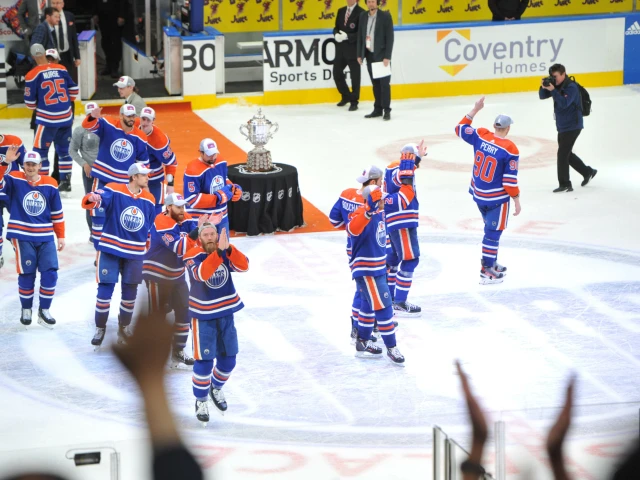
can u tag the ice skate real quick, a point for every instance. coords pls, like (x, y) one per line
(218, 399)
(395, 357)
(1, 262)
(500, 269)
(25, 316)
(489, 276)
(98, 337)
(179, 359)
(124, 334)
(354, 336)
(45, 319)
(406, 309)
(366, 349)
(202, 412)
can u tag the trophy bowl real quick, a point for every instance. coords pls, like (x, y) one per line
(259, 130)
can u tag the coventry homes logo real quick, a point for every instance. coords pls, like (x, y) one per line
(513, 57)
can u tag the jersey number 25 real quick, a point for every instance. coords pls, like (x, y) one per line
(53, 89)
(484, 167)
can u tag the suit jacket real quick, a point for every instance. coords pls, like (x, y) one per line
(72, 35)
(42, 35)
(382, 36)
(30, 7)
(348, 46)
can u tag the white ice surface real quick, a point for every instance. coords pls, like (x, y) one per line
(300, 404)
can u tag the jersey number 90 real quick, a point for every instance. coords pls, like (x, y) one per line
(484, 167)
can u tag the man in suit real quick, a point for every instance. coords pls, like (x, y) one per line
(346, 35)
(44, 34)
(110, 15)
(29, 15)
(68, 46)
(375, 44)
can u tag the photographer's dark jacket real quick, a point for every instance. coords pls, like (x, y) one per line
(567, 106)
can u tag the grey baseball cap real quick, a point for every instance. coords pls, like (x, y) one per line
(37, 50)
(370, 173)
(503, 121)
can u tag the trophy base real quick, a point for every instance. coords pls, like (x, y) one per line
(259, 160)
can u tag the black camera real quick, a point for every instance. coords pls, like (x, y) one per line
(550, 80)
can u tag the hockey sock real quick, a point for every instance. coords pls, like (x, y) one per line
(391, 281)
(103, 303)
(355, 308)
(26, 286)
(490, 244)
(387, 330)
(64, 165)
(182, 323)
(48, 280)
(1, 239)
(202, 378)
(365, 323)
(222, 370)
(127, 302)
(403, 284)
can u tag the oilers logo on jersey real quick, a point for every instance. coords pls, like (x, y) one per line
(121, 150)
(381, 235)
(217, 183)
(219, 277)
(34, 203)
(132, 219)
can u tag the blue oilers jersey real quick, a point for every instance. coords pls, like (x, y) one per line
(399, 214)
(495, 165)
(35, 209)
(50, 91)
(117, 151)
(368, 244)
(7, 141)
(128, 219)
(212, 294)
(201, 181)
(350, 200)
(160, 155)
(169, 243)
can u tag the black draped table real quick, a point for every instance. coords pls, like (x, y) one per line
(271, 201)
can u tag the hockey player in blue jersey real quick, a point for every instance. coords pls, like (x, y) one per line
(212, 302)
(35, 220)
(494, 183)
(163, 269)
(129, 214)
(50, 91)
(403, 249)
(7, 141)
(368, 234)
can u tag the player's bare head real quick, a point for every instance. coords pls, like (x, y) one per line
(502, 125)
(208, 236)
(209, 150)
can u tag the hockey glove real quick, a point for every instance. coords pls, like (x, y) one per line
(407, 166)
(374, 195)
(237, 192)
(223, 195)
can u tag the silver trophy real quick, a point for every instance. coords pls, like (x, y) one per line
(258, 131)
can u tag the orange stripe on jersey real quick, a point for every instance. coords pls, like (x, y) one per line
(373, 293)
(16, 248)
(134, 248)
(98, 267)
(407, 251)
(504, 211)
(38, 137)
(196, 340)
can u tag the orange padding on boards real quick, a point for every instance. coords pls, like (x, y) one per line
(186, 130)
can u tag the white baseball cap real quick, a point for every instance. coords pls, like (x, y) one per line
(52, 52)
(503, 121)
(128, 110)
(90, 107)
(148, 112)
(138, 168)
(125, 82)
(370, 173)
(175, 199)
(33, 157)
(209, 147)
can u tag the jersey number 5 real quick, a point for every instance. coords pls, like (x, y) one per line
(484, 167)
(53, 89)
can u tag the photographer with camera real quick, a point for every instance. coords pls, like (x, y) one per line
(567, 109)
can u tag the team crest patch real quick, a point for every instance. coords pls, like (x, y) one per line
(381, 234)
(167, 239)
(217, 183)
(28, 262)
(386, 295)
(167, 153)
(206, 351)
(121, 150)
(219, 277)
(468, 130)
(132, 219)
(34, 203)
(104, 271)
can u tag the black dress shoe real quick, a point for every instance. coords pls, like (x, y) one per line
(342, 102)
(387, 116)
(563, 189)
(373, 114)
(353, 107)
(588, 178)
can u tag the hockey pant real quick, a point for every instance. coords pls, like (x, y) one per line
(108, 269)
(402, 262)
(60, 137)
(495, 222)
(375, 305)
(164, 297)
(32, 257)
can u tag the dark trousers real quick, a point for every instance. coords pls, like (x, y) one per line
(567, 158)
(112, 45)
(88, 184)
(381, 88)
(339, 64)
(66, 59)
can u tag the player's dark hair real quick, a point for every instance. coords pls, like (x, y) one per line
(371, 181)
(557, 67)
(49, 11)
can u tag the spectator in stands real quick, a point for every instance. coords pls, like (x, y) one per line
(127, 89)
(84, 151)
(44, 34)
(145, 356)
(507, 9)
(110, 16)
(67, 37)
(30, 15)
